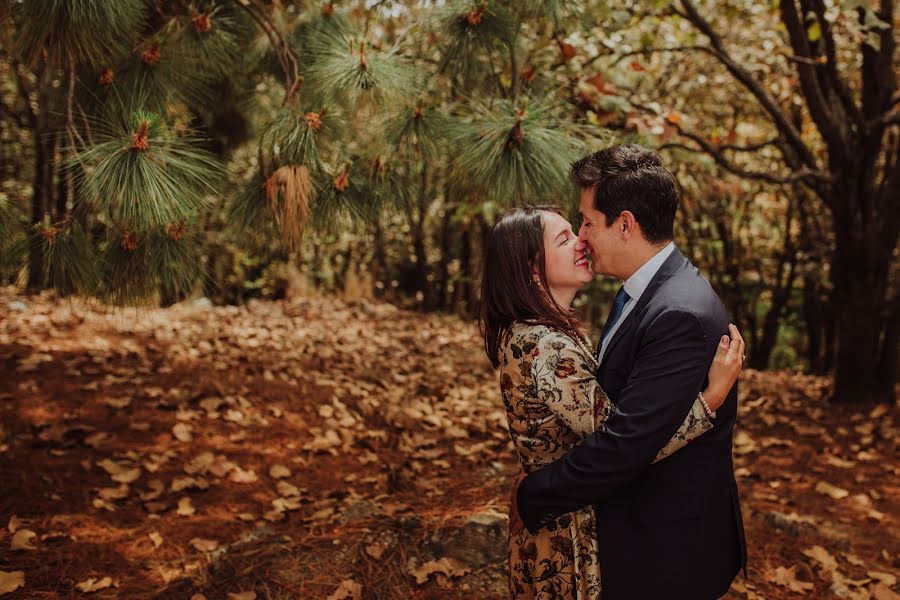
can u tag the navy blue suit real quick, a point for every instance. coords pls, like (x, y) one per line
(671, 529)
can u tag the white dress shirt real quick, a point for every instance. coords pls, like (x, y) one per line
(634, 287)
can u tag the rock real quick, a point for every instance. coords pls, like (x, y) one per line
(480, 540)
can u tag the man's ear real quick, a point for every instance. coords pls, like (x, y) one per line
(626, 224)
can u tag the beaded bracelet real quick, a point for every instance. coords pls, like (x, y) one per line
(709, 412)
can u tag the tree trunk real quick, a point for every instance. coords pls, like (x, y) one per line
(41, 199)
(418, 232)
(463, 291)
(442, 285)
(379, 257)
(861, 267)
(42, 183)
(761, 352)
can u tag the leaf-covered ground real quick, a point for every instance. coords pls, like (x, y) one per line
(319, 449)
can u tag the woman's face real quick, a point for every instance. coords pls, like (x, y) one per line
(565, 256)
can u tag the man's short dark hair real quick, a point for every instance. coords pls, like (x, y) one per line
(631, 177)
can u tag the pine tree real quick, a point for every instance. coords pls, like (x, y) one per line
(349, 114)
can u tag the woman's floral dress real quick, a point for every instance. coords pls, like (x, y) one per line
(552, 399)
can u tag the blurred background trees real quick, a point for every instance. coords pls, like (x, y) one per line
(153, 149)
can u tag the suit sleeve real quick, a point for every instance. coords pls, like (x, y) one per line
(668, 373)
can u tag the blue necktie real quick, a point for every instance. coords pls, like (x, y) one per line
(618, 306)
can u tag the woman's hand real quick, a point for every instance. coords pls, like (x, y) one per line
(726, 366)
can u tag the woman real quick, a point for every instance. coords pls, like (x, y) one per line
(534, 266)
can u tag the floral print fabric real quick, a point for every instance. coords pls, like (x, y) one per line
(552, 400)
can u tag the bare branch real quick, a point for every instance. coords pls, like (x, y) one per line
(769, 104)
(837, 82)
(815, 98)
(707, 148)
(290, 64)
(648, 51)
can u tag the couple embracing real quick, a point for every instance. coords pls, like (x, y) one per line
(627, 479)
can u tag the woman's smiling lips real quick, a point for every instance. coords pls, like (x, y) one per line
(583, 261)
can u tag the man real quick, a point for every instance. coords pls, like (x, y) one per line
(671, 529)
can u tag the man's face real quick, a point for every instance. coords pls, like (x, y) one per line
(602, 241)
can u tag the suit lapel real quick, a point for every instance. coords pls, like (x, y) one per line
(673, 263)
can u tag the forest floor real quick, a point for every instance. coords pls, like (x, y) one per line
(323, 449)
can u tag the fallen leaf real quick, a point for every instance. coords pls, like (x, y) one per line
(14, 523)
(881, 591)
(447, 566)
(117, 402)
(823, 487)
(185, 508)
(116, 493)
(242, 596)
(155, 538)
(787, 578)
(279, 472)
(348, 590)
(821, 555)
(888, 579)
(97, 439)
(204, 545)
(22, 540)
(93, 584)
(375, 550)
(182, 432)
(287, 489)
(183, 483)
(11, 581)
(241, 476)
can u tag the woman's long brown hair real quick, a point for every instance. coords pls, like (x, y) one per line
(509, 293)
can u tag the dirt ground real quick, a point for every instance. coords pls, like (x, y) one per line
(322, 449)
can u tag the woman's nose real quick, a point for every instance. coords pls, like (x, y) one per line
(580, 246)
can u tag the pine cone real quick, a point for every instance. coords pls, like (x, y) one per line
(139, 142)
(129, 242)
(106, 77)
(201, 22)
(314, 120)
(151, 56)
(342, 181)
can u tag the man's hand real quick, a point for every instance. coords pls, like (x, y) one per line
(515, 521)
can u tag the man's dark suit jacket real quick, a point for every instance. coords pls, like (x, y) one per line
(670, 529)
